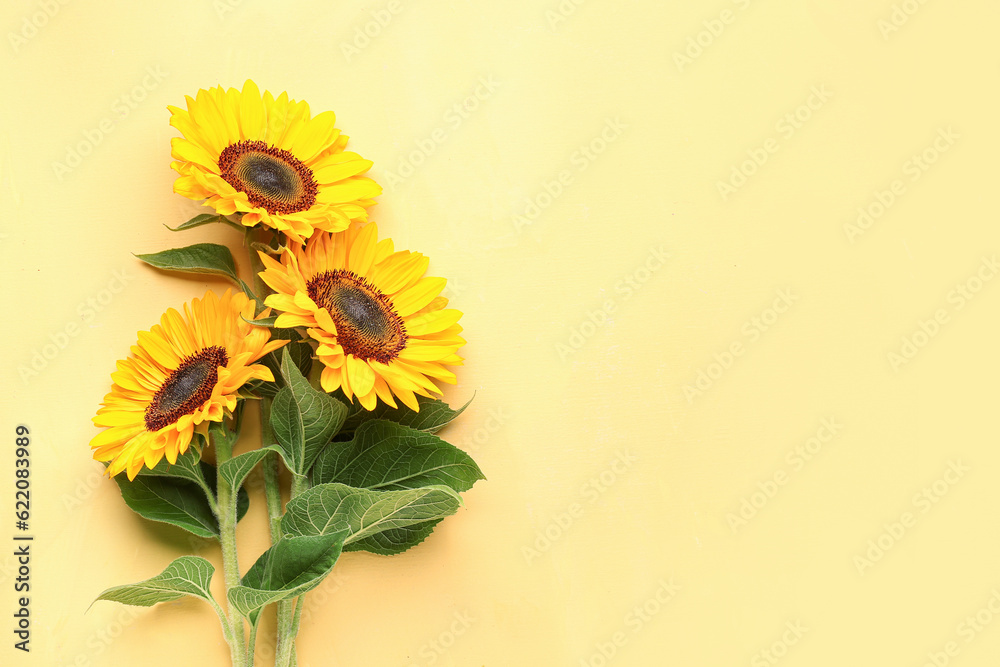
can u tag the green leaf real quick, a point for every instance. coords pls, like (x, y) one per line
(299, 350)
(303, 418)
(198, 258)
(301, 354)
(386, 455)
(177, 500)
(242, 497)
(187, 466)
(396, 540)
(248, 291)
(170, 500)
(236, 469)
(262, 322)
(333, 507)
(242, 504)
(322, 414)
(293, 566)
(188, 575)
(198, 221)
(433, 416)
(286, 424)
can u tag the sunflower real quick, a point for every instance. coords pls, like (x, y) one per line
(270, 160)
(183, 373)
(381, 328)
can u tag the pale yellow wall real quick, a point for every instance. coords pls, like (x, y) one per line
(772, 270)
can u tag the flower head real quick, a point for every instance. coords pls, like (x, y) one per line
(381, 328)
(270, 160)
(182, 373)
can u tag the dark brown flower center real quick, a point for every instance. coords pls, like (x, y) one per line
(367, 325)
(186, 389)
(271, 178)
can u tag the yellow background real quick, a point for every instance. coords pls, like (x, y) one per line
(573, 367)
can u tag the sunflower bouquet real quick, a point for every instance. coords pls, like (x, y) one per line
(340, 342)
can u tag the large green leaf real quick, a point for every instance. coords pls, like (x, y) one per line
(187, 466)
(433, 416)
(286, 424)
(303, 418)
(188, 575)
(236, 469)
(198, 258)
(177, 501)
(170, 500)
(293, 566)
(395, 540)
(322, 414)
(386, 455)
(333, 507)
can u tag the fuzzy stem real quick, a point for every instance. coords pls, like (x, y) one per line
(230, 563)
(290, 611)
(272, 489)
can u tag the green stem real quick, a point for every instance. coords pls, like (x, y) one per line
(257, 266)
(227, 630)
(286, 643)
(209, 495)
(290, 611)
(252, 644)
(300, 484)
(300, 602)
(285, 648)
(230, 562)
(272, 489)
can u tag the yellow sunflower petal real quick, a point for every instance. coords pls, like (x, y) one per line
(183, 371)
(382, 331)
(414, 298)
(251, 112)
(362, 253)
(432, 322)
(362, 377)
(222, 128)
